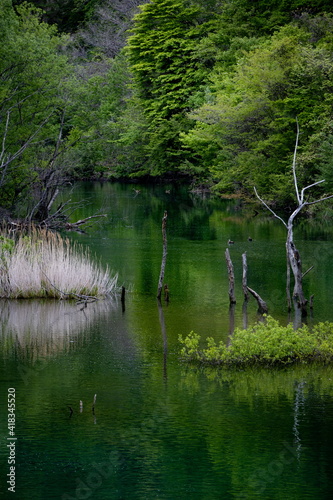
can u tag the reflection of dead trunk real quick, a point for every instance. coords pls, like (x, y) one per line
(164, 256)
(231, 322)
(165, 339)
(244, 310)
(231, 276)
(123, 291)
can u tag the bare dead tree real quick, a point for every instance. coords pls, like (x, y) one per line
(293, 257)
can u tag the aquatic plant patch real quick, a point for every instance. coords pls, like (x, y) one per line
(267, 343)
(43, 264)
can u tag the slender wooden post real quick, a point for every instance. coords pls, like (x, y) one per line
(123, 291)
(164, 256)
(244, 281)
(231, 276)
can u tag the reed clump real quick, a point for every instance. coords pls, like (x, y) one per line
(41, 263)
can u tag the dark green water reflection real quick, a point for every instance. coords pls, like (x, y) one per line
(162, 430)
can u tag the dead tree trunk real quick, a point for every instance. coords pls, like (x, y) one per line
(295, 263)
(231, 276)
(164, 256)
(244, 280)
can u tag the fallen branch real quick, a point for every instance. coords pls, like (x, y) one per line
(307, 271)
(262, 306)
(82, 299)
(75, 225)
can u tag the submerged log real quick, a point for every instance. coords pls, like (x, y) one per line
(231, 277)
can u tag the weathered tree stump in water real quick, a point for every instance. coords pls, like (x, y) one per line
(231, 277)
(244, 280)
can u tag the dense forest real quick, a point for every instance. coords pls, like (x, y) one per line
(203, 91)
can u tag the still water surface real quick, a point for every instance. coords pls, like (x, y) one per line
(160, 429)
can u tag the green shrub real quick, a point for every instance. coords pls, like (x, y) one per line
(266, 342)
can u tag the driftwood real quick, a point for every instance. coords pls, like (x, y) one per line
(262, 306)
(55, 222)
(75, 225)
(231, 277)
(164, 256)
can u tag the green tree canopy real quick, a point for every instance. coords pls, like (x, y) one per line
(169, 70)
(246, 136)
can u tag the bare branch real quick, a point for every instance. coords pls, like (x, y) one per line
(318, 201)
(310, 186)
(268, 208)
(307, 271)
(74, 225)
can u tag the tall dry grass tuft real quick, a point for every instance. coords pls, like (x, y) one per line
(43, 264)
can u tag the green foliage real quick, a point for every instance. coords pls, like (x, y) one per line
(32, 68)
(68, 15)
(6, 245)
(111, 125)
(266, 343)
(169, 68)
(204, 89)
(246, 136)
(265, 16)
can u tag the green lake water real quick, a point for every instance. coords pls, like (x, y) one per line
(161, 429)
